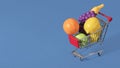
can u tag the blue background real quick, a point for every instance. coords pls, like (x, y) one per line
(31, 34)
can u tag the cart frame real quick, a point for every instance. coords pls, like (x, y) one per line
(75, 42)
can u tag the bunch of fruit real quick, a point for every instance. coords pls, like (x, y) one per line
(92, 26)
(89, 25)
(86, 15)
(92, 13)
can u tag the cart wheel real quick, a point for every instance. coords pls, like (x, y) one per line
(99, 53)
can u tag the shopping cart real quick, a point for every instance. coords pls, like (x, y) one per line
(77, 43)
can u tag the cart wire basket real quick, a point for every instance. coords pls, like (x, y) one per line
(101, 33)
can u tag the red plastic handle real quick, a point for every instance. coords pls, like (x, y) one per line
(108, 17)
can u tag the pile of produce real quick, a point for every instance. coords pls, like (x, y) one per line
(87, 25)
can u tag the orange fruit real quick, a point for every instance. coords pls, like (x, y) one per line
(71, 26)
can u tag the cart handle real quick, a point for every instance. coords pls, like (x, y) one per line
(108, 17)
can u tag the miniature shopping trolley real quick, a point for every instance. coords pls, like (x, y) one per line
(77, 43)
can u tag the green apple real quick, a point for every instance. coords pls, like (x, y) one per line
(83, 38)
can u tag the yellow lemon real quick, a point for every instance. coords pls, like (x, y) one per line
(92, 25)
